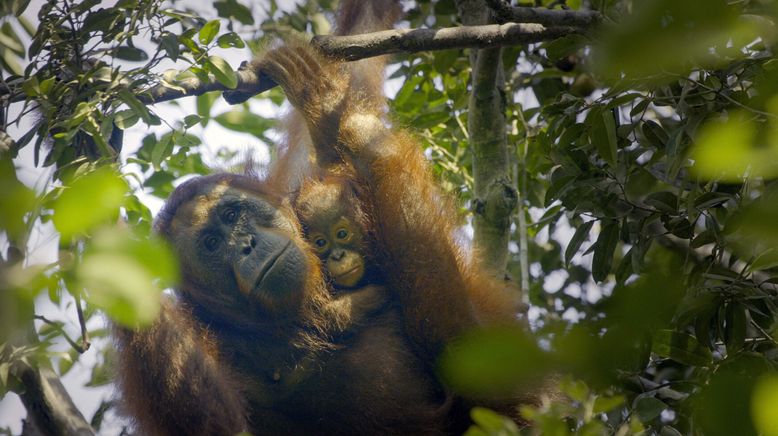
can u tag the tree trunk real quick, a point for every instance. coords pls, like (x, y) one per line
(495, 196)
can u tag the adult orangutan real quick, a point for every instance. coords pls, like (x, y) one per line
(256, 341)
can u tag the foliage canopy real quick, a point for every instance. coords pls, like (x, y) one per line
(644, 152)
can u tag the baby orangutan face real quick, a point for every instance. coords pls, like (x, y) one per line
(338, 242)
(333, 223)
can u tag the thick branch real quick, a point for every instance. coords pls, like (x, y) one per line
(248, 81)
(549, 17)
(49, 406)
(355, 47)
(495, 195)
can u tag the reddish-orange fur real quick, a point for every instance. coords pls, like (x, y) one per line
(216, 364)
(441, 291)
(213, 368)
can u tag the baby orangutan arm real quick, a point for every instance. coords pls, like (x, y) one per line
(355, 306)
(172, 381)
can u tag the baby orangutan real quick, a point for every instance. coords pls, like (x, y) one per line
(336, 228)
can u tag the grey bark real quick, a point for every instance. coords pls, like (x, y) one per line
(495, 194)
(49, 407)
(355, 47)
(550, 17)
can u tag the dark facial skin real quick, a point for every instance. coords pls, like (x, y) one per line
(338, 242)
(240, 244)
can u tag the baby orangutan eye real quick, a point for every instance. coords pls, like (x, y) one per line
(230, 215)
(320, 243)
(211, 242)
(342, 234)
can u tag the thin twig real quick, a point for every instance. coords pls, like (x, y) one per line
(82, 322)
(64, 334)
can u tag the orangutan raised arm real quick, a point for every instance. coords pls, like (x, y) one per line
(412, 222)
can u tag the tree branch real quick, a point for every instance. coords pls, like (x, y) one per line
(549, 17)
(355, 47)
(495, 195)
(248, 82)
(49, 405)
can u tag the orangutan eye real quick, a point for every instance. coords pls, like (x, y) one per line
(230, 215)
(342, 234)
(211, 242)
(320, 242)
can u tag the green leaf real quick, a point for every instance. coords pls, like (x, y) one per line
(492, 422)
(102, 374)
(606, 404)
(639, 108)
(66, 361)
(728, 150)
(133, 54)
(763, 405)
(209, 31)
(191, 120)
(16, 200)
(648, 408)
(680, 347)
(493, 362)
(663, 201)
(710, 199)
(101, 20)
(230, 39)
(625, 267)
(169, 42)
(233, 9)
(668, 36)
(559, 185)
(139, 108)
(10, 62)
(604, 249)
(9, 39)
(19, 6)
(581, 234)
(125, 276)
(126, 118)
(161, 183)
(575, 389)
(4, 368)
(602, 131)
(678, 226)
(706, 237)
(90, 200)
(222, 71)
(654, 134)
(445, 59)
(564, 46)
(736, 326)
(161, 150)
(204, 104)
(244, 121)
